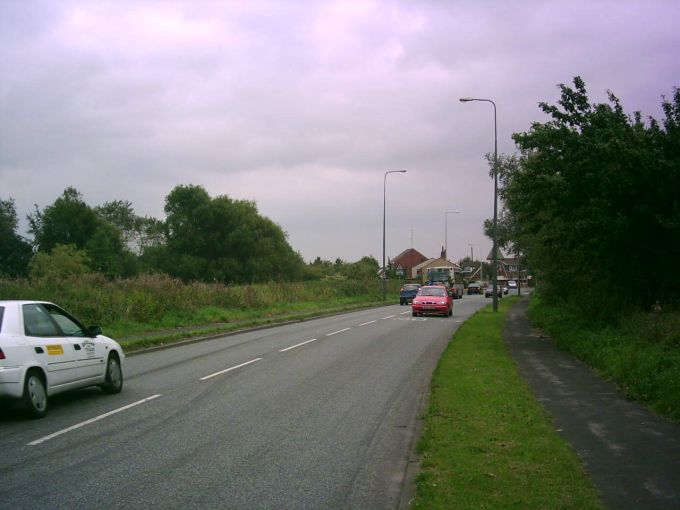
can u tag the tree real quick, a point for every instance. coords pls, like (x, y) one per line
(121, 214)
(62, 262)
(223, 239)
(506, 223)
(593, 197)
(69, 220)
(15, 252)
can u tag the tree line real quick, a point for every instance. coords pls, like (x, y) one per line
(592, 200)
(203, 238)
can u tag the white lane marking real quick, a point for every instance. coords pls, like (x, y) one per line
(297, 345)
(388, 317)
(229, 369)
(404, 313)
(336, 332)
(92, 420)
(367, 323)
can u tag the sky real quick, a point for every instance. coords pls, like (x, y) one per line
(303, 106)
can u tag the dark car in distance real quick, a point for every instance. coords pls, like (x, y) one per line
(489, 291)
(474, 288)
(408, 292)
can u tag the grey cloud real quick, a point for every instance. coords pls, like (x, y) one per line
(303, 106)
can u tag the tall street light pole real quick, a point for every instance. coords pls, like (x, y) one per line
(494, 269)
(446, 232)
(384, 275)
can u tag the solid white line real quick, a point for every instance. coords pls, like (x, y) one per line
(92, 420)
(230, 369)
(388, 317)
(336, 332)
(297, 345)
(367, 323)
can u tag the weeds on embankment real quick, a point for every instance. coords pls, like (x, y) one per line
(640, 351)
(135, 306)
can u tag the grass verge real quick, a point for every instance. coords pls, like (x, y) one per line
(134, 337)
(486, 442)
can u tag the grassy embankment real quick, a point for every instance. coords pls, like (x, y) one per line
(640, 352)
(152, 310)
(486, 442)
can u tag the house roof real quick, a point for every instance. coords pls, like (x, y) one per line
(500, 254)
(423, 264)
(411, 254)
(440, 262)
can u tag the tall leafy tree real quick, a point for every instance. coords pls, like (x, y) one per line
(15, 252)
(100, 232)
(593, 199)
(224, 239)
(121, 214)
(69, 220)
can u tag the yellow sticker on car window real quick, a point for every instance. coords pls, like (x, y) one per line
(55, 350)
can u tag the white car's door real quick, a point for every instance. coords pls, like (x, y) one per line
(90, 352)
(54, 351)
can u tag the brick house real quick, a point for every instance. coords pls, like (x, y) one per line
(408, 259)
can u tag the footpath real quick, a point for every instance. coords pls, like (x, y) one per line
(632, 455)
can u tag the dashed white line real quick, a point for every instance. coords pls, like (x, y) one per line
(367, 323)
(92, 420)
(297, 345)
(229, 369)
(336, 332)
(388, 317)
(404, 313)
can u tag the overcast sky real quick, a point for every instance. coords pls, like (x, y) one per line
(303, 106)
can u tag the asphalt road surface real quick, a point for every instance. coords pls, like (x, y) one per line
(318, 414)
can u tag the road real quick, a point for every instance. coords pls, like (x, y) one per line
(318, 414)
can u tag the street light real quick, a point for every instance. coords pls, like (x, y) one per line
(446, 232)
(494, 269)
(384, 294)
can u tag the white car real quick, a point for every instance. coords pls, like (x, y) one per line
(45, 351)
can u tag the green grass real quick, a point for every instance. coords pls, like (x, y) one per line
(215, 321)
(486, 442)
(639, 351)
(155, 309)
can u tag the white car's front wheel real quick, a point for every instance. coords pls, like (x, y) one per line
(35, 395)
(113, 381)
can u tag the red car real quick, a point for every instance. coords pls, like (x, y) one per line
(432, 299)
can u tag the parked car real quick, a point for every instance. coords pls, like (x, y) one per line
(432, 299)
(512, 285)
(408, 292)
(488, 292)
(505, 289)
(45, 350)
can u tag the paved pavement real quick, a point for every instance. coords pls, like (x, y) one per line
(632, 455)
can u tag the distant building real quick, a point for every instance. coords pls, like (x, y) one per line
(420, 271)
(509, 268)
(407, 260)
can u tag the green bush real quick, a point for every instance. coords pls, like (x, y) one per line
(639, 351)
(150, 298)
